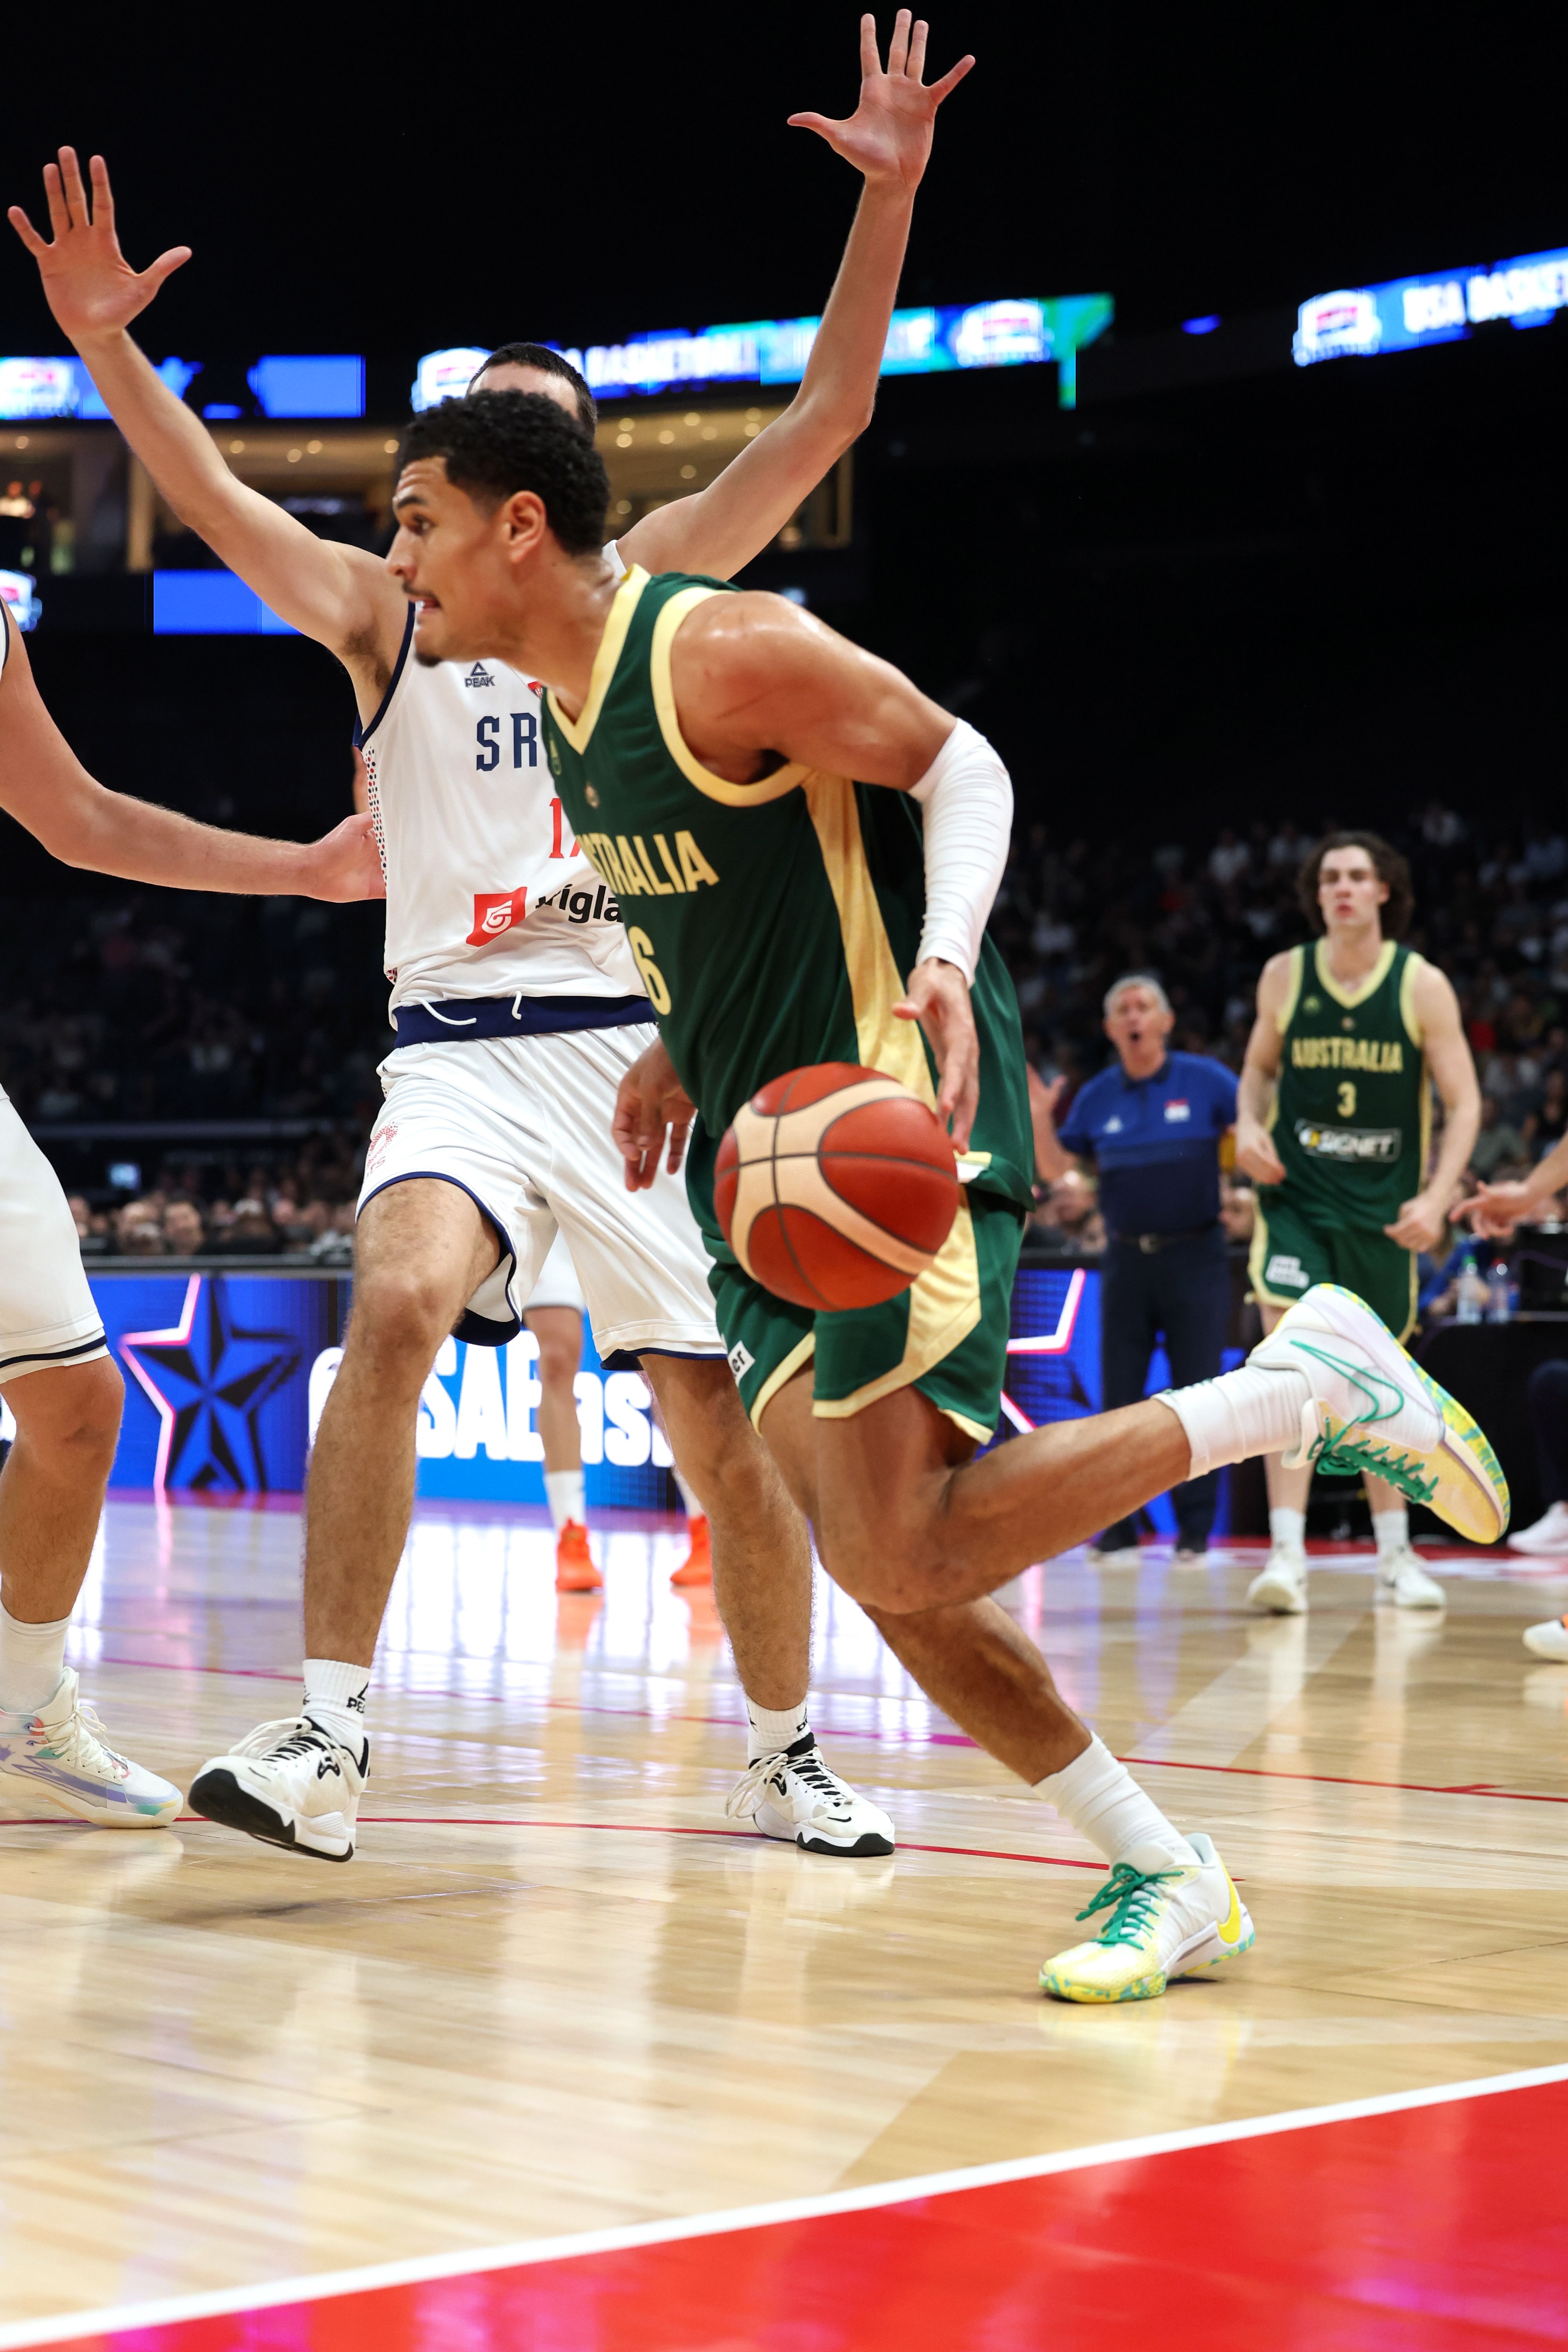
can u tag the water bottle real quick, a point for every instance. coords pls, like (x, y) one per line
(1500, 1302)
(1471, 1293)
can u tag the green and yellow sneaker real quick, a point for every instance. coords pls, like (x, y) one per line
(1372, 1408)
(1164, 1922)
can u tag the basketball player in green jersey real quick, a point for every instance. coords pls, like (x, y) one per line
(1335, 1123)
(703, 742)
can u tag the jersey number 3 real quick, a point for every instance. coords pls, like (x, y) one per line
(1347, 1099)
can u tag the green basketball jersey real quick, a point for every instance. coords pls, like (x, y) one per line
(1352, 1108)
(773, 923)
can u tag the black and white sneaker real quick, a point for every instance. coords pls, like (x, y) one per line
(289, 1784)
(793, 1795)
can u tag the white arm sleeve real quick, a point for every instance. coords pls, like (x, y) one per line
(967, 798)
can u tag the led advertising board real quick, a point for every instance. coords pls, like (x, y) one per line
(1021, 332)
(1360, 322)
(313, 384)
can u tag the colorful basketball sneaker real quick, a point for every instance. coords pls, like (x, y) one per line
(1371, 1407)
(289, 1784)
(60, 1756)
(1164, 1922)
(574, 1569)
(696, 1567)
(794, 1796)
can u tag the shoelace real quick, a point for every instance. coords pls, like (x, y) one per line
(291, 1735)
(82, 1741)
(1133, 1896)
(752, 1787)
(1345, 1457)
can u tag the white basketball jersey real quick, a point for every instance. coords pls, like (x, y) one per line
(486, 892)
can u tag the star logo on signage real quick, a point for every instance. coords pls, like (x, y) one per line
(207, 1380)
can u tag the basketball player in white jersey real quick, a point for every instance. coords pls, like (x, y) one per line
(56, 1374)
(518, 1007)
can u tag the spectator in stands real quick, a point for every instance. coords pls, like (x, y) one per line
(251, 1232)
(1069, 1218)
(139, 1230)
(1497, 1144)
(183, 1229)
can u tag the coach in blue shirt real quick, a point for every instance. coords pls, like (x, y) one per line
(1152, 1122)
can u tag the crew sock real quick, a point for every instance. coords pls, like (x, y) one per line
(1391, 1529)
(564, 1491)
(32, 1662)
(1288, 1527)
(335, 1700)
(1254, 1410)
(1104, 1803)
(775, 1729)
(688, 1497)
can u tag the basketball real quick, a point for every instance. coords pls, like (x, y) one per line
(835, 1186)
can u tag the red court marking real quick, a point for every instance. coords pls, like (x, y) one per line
(1431, 2221)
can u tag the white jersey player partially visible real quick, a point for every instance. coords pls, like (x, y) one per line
(517, 1010)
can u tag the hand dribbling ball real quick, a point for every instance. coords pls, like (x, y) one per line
(835, 1186)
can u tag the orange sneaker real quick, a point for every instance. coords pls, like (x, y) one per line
(574, 1569)
(696, 1567)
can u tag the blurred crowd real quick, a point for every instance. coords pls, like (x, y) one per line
(181, 1008)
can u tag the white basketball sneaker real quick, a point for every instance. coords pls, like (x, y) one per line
(794, 1796)
(1549, 1641)
(289, 1784)
(1402, 1579)
(1371, 1407)
(60, 1755)
(1164, 1922)
(1548, 1537)
(1281, 1586)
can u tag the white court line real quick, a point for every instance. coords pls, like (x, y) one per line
(415, 2272)
(1221, 1721)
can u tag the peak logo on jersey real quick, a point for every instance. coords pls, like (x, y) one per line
(478, 676)
(496, 911)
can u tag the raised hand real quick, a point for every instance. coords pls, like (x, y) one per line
(938, 998)
(90, 287)
(889, 135)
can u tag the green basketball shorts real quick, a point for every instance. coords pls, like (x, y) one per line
(946, 1335)
(1294, 1246)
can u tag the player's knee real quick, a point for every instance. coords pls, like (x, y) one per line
(401, 1316)
(887, 1564)
(558, 1362)
(70, 1419)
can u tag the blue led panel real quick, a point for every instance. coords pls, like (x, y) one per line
(314, 386)
(1404, 314)
(211, 605)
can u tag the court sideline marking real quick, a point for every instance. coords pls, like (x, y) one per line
(413, 2272)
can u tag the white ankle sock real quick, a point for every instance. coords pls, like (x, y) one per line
(775, 1729)
(564, 1492)
(1287, 1527)
(32, 1662)
(688, 1497)
(335, 1698)
(1254, 1410)
(1104, 1803)
(1391, 1529)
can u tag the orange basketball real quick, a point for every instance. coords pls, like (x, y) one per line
(835, 1186)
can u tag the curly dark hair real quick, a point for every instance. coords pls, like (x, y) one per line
(498, 443)
(1392, 868)
(548, 363)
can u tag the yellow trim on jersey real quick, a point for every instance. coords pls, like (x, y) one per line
(876, 985)
(1413, 965)
(944, 1308)
(1287, 1012)
(617, 622)
(1359, 991)
(1257, 1258)
(771, 787)
(801, 1353)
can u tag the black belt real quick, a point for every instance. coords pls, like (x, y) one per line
(457, 1018)
(1152, 1243)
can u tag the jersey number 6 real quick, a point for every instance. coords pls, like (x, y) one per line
(641, 947)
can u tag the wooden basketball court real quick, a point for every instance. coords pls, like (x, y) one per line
(566, 2057)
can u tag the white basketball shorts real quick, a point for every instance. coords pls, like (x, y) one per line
(47, 1314)
(523, 1126)
(558, 1284)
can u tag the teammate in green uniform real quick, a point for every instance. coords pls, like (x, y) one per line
(1334, 1121)
(704, 741)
